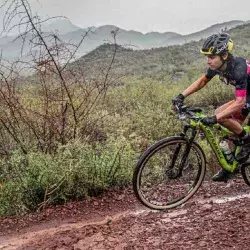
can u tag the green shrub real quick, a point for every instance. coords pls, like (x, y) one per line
(75, 171)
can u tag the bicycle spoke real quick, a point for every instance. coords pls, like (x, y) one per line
(164, 180)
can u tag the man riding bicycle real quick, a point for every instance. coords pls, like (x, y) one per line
(231, 70)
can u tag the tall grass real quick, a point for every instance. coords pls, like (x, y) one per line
(133, 116)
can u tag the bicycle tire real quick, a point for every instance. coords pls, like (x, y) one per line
(245, 175)
(151, 151)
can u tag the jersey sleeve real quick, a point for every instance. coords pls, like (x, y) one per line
(241, 80)
(210, 74)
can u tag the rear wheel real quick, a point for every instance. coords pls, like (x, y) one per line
(245, 171)
(160, 181)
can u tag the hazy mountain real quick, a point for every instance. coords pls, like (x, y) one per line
(137, 40)
(172, 61)
(60, 26)
(181, 39)
(131, 38)
(68, 32)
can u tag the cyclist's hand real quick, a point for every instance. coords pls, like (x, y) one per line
(178, 101)
(209, 120)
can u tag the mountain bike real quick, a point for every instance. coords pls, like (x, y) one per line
(171, 171)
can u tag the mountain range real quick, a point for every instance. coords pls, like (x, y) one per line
(69, 32)
(162, 63)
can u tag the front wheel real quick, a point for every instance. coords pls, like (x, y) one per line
(162, 180)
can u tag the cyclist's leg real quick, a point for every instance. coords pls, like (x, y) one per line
(234, 124)
(223, 107)
(245, 149)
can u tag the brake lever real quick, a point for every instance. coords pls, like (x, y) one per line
(182, 116)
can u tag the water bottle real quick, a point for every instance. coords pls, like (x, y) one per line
(226, 150)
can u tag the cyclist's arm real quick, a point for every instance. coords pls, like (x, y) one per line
(200, 83)
(195, 86)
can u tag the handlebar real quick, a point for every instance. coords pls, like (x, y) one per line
(184, 111)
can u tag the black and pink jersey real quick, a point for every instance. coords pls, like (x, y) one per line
(237, 73)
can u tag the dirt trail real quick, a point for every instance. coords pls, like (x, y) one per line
(217, 217)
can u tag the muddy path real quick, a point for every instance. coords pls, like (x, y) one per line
(217, 217)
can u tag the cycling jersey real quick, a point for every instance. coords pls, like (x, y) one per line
(237, 74)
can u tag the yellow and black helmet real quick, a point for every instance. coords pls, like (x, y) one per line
(217, 44)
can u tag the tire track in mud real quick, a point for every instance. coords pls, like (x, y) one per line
(18, 241)
(109, 234)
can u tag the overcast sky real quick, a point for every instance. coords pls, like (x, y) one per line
(181, 16)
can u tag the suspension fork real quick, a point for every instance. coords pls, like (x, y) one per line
(178, 148)
(186, 151)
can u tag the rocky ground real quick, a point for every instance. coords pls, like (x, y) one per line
(217, 217)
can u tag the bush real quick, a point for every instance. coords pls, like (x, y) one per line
(76, 171)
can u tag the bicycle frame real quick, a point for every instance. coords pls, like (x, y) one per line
(213, 143)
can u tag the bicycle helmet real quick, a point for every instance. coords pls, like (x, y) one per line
(217, 44)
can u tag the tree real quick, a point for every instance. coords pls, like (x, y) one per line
(63, 99)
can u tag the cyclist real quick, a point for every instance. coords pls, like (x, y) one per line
(231, 70)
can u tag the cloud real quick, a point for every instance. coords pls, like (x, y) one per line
(182, 16)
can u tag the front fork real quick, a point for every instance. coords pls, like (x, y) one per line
(185, 154)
